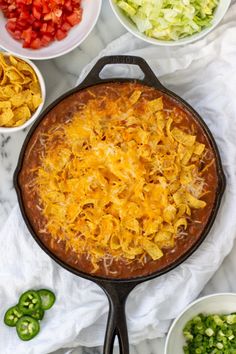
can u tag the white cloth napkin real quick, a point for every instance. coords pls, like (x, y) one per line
(204, 73)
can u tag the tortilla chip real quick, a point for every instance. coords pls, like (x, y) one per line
(181, 137)
(34, 87)
(194, 202)
(3, 62)
(155, 105)
(5, 104)
(6, 116)
(199, 148)
(21, 113)
(27, 70)
(14, 75)
(135, 96)
(37, 100)
(152, 249)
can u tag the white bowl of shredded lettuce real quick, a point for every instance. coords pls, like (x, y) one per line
(170, 22)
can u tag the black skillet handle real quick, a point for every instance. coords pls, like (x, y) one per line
(93, 76)
(116, 324)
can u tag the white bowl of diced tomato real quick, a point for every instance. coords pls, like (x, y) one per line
(45, 29)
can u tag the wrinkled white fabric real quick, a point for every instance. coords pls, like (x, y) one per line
(204, 73)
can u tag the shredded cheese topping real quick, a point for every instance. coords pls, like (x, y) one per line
(120, 179)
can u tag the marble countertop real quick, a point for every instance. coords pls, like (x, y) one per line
(60, 75)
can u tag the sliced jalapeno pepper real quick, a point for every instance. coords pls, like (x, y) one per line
(12, 316)
(47, 298)
(27, 327)
(38, 314)
(29, 302)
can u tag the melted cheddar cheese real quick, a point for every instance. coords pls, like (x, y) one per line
(120, 179)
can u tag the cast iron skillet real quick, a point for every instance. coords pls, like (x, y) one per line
(117, 290)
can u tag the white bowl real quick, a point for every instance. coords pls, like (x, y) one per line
(221, 303)
(91, 11)
(131, 27)
(8, 130)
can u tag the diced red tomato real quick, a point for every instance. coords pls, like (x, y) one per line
(36, 43)
(66, 26)
(43, 28)
(36, 13)
(12, 15)
(12, 7)
(46, 39)
(24, 15)
(16, 35)
(47, 16)
(74, 18)
(38, 3)
(39, 22)
(11, 25)
(56, 17)
(50, 28)
(37, 25)
(22, 24)
(45, 8)
(27, 35)
(68, 5)
(60, 34)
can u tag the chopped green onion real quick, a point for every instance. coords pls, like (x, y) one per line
(209, 332)
(231, 319)
(214, 334)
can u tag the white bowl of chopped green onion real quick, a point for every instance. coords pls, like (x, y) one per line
(170, 22)
(208, 325)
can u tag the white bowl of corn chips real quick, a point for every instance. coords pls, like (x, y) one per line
(22, 93)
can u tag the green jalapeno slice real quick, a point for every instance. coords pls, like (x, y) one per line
(38, 314)
(29, 302)
(27, 327)
(47, 298)
(12, 316)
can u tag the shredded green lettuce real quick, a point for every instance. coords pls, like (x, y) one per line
(169, 19)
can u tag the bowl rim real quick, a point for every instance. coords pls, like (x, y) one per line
(188, 307)
(52, 56)
(183, 41)
(7, 130)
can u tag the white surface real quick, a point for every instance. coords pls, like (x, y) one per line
(6, 130)
(132, 28)
(222, 304)
(75, 37)
(60, 75)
